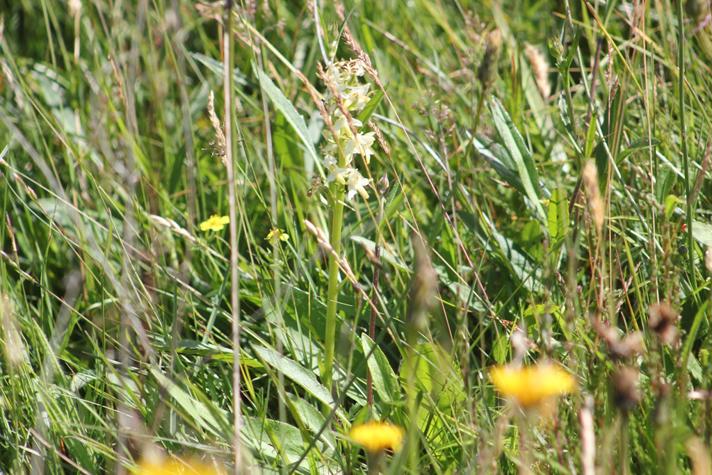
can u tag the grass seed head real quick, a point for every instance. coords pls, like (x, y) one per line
(540, 69)
(10, 336)
(423, 286)
(488, 65)
(595, 202)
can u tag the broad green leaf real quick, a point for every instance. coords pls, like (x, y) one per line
(202, 415)
(500, 164)
(438, 375)
(283, 104)
(500, 349)
(558, 215)
(312, 419)
(371, 106)
(385, 382)
(217, 67)
(519, 153)
(273, 440)
(702, 232)
(296, 373)
(387, 255)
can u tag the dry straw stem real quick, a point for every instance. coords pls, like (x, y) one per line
(230, 146)
(699, 454)
(588, 438)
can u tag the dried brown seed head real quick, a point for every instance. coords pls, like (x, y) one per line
(626, 392)
(663, 322)
(619, 347)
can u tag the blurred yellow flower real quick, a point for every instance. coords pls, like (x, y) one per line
(214, 223)
(377, 436)
(532, 385)
(277, 234)
(175, 466)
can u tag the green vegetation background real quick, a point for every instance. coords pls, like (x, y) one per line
(108, 162)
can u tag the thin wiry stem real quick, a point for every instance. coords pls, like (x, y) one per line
(234, 256)
(683, 139)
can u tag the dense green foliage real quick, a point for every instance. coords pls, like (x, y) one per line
(115, 307)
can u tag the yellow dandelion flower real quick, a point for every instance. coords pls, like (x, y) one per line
(377, 436)
(276, 235)
(175, 466)
(532, 385)
(214, 223)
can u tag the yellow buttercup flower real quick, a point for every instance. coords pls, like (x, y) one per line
(377, 436)
(277, 234)
(530, 386)
(214, 223)
(175, 466)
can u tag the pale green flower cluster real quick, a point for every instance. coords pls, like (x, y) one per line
(346, 137)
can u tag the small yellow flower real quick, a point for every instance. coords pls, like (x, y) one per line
(530, 386)
(214, 223)
(277, 234)
(175, 466)
(377, 436)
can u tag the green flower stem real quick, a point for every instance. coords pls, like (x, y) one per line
(375, 462)
(412, 405)
(337, 220)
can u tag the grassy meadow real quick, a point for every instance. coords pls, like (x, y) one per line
(355, 236)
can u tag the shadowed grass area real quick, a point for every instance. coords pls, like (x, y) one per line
(538, 195)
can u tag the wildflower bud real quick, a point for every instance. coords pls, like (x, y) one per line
(662, 320)
(624, 383)
(383, 185)
(377, 436)
(708, 259)
(423, 287)
(488, 66)
(595, 203)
